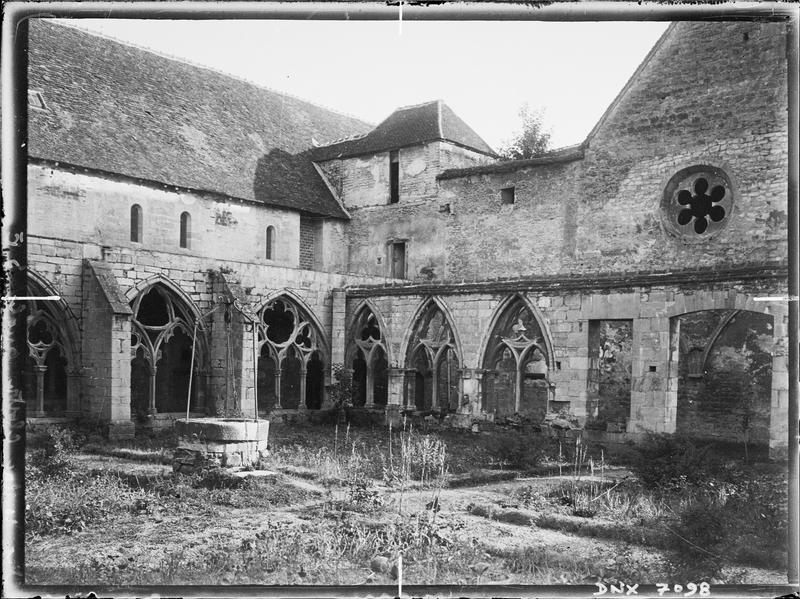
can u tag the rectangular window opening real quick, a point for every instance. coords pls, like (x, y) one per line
(394, 177)
(507, 196)
(397, 251)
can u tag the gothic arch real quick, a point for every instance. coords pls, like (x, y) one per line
(307, 311)
(367, 354)
(142, 287)
(547, 337)
(516, 357)
(166, 354)
(49, 374)
(433, 358)
(292, 351)
(423, 306)
(65, 317)
(370, 305)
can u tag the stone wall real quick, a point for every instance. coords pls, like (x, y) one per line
(715, 94)
(603, 212)
(567, 316)
(419, 218)
(89, 208)
(524, 238)
(76, 217)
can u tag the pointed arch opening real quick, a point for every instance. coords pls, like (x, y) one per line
(433, 362)
(46, 377)
(162, 330)
(291, 352)
(516, 364)
(368, 359)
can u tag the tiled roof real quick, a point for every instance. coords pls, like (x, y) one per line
(117, 108)
(405, 127)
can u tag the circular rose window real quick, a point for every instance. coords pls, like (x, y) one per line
(698, 202)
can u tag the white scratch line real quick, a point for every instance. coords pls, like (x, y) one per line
(400, 22)
(776, 298)
(400, 574)
(20, 298)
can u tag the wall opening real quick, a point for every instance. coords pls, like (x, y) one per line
(697, 202)
(270, 243)
(45, 383)
(394, 177)
(724, 375)
(515, 361)
(433, 363)
(291, 361)
(136, 223)
(507, 196)
(608, 389)
(186, 230)
(397, 260)
(161, 354)
(369, 363)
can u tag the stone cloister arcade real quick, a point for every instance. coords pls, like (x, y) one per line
(291, 357)
(51, 374)
(710, 363)
(166, 340)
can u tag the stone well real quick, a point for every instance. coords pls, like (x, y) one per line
(227, 442)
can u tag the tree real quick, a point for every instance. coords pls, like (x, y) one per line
(532, 141)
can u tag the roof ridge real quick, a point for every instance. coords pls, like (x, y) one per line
(399, 108)
(186, 61)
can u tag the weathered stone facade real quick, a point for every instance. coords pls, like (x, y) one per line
(663, 235)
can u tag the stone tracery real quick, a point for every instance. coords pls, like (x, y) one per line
(290, 370)
(369, 360)
(516, 364)
(48, 357)
(433, 362)
(161, 342)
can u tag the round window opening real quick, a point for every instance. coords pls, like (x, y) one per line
(698, 202)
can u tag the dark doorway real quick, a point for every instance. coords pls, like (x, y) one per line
(315, 379)
(359, 380)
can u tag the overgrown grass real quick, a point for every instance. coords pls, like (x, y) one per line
(705, 513)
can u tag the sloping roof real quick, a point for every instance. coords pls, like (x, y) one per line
(280, 174)
(409, 126)
(118, 108)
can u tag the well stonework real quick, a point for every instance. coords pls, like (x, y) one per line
(209, 442)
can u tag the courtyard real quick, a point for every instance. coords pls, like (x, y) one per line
(336, 503)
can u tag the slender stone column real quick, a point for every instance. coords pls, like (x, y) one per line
(369, 401)
(278, 388)
(40, 370)
(518, 391)
(301, 402)
(151, 394)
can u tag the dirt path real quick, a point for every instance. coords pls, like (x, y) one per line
(149, 541)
